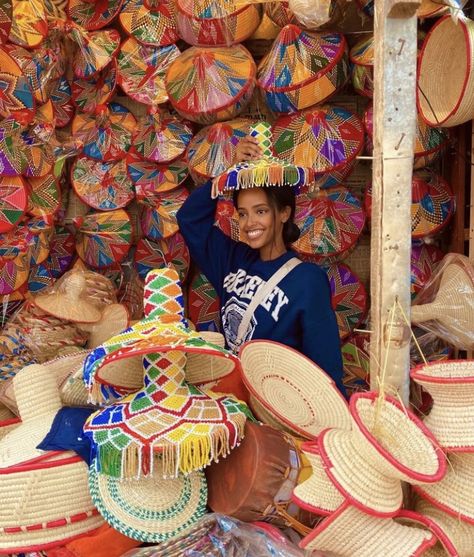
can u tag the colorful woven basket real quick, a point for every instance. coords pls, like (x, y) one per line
(429, 142)
(362, 66)
(161, 138)
(142, 69)
(13, 160)
(152, 179)
(433, 204)
(211, 151)
(37, 232)
(208, 85)
(95, 50)
(61, 97)
(13, 201)
(327, 139)
(303, 68)
(159, 222)
(14, 270)
(227, 218)
(17, 98)
(61, 253)
(203, 304)
(89, 93)
(107, 135)
(424, 259)
(304, 14)
(151, 22)
(356, 363)
(104, 239)
(104, 186)
(216, 23)
(330, 222)
(6, 13)
(29, 25)
(39, 278)
(171, 252)
(93, 15)
(430, 8)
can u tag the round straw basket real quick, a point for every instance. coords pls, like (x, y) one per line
(451, 386)
(292, 388)
(445, 90)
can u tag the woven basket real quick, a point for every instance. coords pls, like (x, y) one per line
(445, 90)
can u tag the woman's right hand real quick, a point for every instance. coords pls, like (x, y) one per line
(247, 149)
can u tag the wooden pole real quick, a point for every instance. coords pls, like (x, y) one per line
(394, 132)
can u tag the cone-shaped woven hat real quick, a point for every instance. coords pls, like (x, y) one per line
(449, 312)
(302, 68)
(208, 85)
(216, 22)
(151, 22)
(388, 444)
(188, 427)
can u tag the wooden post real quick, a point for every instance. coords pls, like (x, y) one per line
(394, 131)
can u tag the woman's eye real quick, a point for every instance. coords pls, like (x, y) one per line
(241, 215)
(261, 211)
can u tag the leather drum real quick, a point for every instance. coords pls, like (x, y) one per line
(256, 480)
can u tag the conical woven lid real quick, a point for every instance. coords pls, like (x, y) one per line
(61, 97)
(17, 96)
(88, 94)
(6, 12)
(29, 24)
(13, 201)
(169, 252)
(95, 50)
(151, 22)
(159, 221)
(93, 15)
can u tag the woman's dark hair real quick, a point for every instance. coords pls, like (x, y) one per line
(278, 198)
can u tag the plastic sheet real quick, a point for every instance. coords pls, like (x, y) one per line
(221, 536)
(445, 305)
(313, 14)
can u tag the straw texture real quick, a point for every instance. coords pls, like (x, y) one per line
(351, 533)
(298, 394)
(114, 320)
(451, 386)
(444, 94)
(150, 509)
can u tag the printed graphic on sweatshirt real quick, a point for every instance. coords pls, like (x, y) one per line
(232, 314)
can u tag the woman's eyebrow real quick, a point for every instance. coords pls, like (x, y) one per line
(263, 205)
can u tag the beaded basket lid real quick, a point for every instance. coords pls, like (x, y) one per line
(142, 70)
(6, 13)
(153, 179)
(89, 93)
(424, 259)
(207, 85)
(170, 252)
(330, 222)
(302, 68)
(103, 239)
(16, 95)
(151, 22)
(104, 186)
(13, 201)
(159, 221)
(93, 14)
(61, 97)
(327, 139)
(106, 135)
(211, 151)
(29, 25)
(433, 204)
(161, 138)
(217, 22)
(45, 196)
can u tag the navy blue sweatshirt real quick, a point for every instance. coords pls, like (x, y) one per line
(298, 311)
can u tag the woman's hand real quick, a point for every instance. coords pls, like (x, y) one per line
(247, 149)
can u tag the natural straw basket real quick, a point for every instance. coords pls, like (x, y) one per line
(451, 386)
(348, 532)
(388, 444)
(445, 93)
(294, 390)
(317, 494)
(455, 493)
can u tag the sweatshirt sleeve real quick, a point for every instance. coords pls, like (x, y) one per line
(321, 342)
(208, 245)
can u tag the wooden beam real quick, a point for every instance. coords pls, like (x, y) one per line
(471, 199)
(455, 174)
(394, 133)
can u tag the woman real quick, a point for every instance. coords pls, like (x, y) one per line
(298, 310)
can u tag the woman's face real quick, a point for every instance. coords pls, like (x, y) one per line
(260, 224)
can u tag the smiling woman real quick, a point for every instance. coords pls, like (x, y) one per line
(296, 310)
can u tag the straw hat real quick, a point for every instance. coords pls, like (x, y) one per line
(114, 320)
(223, 76)
(316, 494)
(151, 22)
(297, 393)
(185, 419)
(449, 312)
(388, 444)
(290, 79)
(348, 532)
(67, 300)
(451, 418)
(149, 509)
(444, 91)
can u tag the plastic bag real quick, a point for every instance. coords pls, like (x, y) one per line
(221, 536)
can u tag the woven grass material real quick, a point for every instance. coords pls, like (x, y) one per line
(5, 413)
(149, 509)
(100, 290)
(444, 92)
(317, 494)
(452, 308)
(114, 320)
(453, 493)
(351, 533)
(197, 370)
(451, 386)
(294, 390)
(387, 445)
